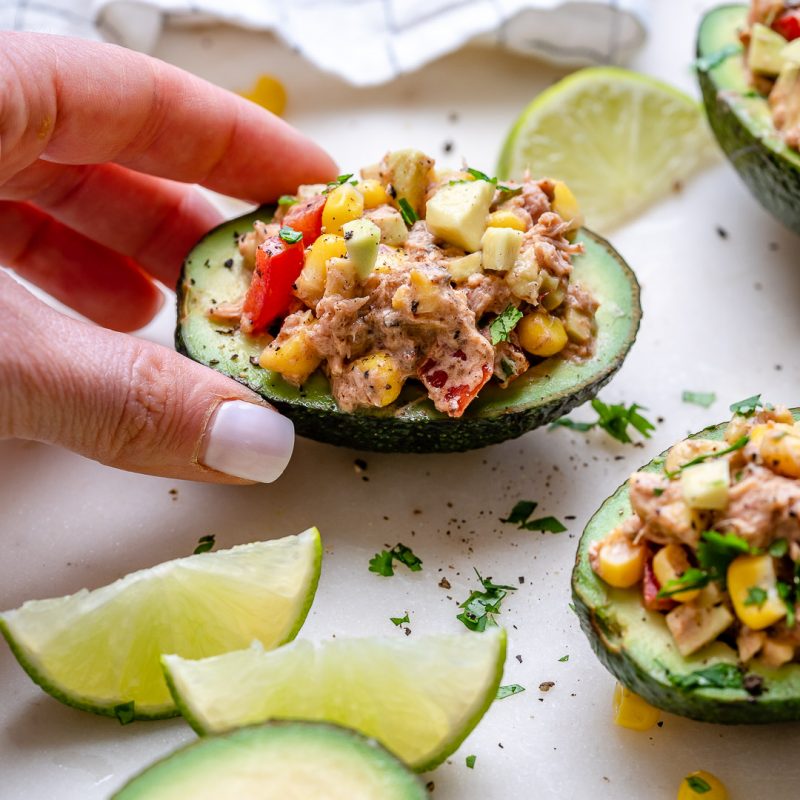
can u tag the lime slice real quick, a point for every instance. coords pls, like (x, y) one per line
(618, 139)
(419, 697)
(100, 650)
(307, 760)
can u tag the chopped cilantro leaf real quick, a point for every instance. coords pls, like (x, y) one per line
(125, 712)
(566, 422)
(779, 548)
(520, 514)
(717, 676)
(381, 563)
(502, 325)
(704, 399)
(521, 511)
(480, 176)
(737, 445)
(693, 578)
(481, 606)
(786, 594)
(544, 524)
(507, 691)
(697, 784)
(338, 182)
(205, 543)
(756, 596)
(398, 621)
(748, 406)
(470, 760)
(658, 491)
(287, 200)
(715, 551)
(564, 658)
(614, 420)
(290, 235)
(407, 212)
(405, 555)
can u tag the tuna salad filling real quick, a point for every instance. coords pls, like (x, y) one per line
(449, 279)
(772, 52)
(713, 543)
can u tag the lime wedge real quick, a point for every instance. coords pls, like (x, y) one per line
(100, 650)
(286, 760)
(618, 139)
(418, 697)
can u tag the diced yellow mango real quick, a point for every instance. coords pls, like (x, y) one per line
(669, 563)
(566, 205)
(293, 358)
(542, 334)
(750, 578)
(344, 203)
(269, 93)
(384, 377)
(505, 219)
(618, 561)
(374, 193)
(630, 711)
(780, 449)
(702, 785)
(311, 281)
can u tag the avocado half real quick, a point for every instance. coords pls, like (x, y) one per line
(213, 273)
(741, 119)
(635, 645)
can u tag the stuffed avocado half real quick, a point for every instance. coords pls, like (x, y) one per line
(749, 74)
(414, 310)
(686, 579)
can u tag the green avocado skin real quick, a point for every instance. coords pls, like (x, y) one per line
(639, 665)
(411, 424)
(771, 173)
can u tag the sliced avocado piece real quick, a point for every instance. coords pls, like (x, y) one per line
(278, 760)
(462, 268)
(361, 238)
(546, 391)
(636, 646)
(765, 54)
(457, 213)
(741, 119)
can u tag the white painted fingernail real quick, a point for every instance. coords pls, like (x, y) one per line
(248, 441)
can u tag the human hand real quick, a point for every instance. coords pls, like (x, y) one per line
(98, 146)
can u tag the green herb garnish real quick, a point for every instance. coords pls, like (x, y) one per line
(502, 325)
(756, 596)
(704, 399)
(545, 524)
(748, 406)
(290, 235)
(693, 578)
(382, 563)
(407, 212)
(287, 200)
(786, 593)
(521, 512)
(718, 676)
(205, 543)
(470, 760)
(564, 658)
(398, 621)
(614, 420)
(125, 712)
(338, 182)
(481, 606)
(697, 784)
(779, 548)
(507, 691)
(737, 445)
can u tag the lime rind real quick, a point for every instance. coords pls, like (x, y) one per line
(56, 688)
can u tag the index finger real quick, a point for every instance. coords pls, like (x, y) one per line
(78, 102)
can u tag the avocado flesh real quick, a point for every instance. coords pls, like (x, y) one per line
(637, 648)
(278, 760)
(410, 424)
(741, 119)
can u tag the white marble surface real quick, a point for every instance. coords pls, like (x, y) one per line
(720, 315)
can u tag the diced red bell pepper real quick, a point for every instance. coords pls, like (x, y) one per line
(448, 396)
(306, 217)
(650, 589)
(788, 25)
(278, 264)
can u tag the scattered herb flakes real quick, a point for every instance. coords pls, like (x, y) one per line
(613, 419)
(398, 621)
(737, 445)
(125, 712)
(520, 514)
(717, 676)
(290, 235)
(382, 563)
(287, 200)
(507, 691)
(704, 399)
(545, 524)
(470, 761)
(693, 578)
(748, 406)
(407, 211)
(564, 658)
(501, 326)
(697, 784)
(756, 596)
(445, 584)
(788, 595)
(205, 543)
(481, 606)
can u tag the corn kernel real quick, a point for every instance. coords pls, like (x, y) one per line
(565, 204)
(269, 93)
(780, 449)
(669, 563)
(384, 377)
(311, 281)
(542, 334)
(374, 193)
(505, 219)
(344, 204)
(618, 561)
(293, 358)
(630, 711)
(748, 573)
(702, 785)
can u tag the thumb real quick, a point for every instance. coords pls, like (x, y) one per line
(129, 403)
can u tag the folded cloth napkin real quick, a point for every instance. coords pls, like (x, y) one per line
(365, 42)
